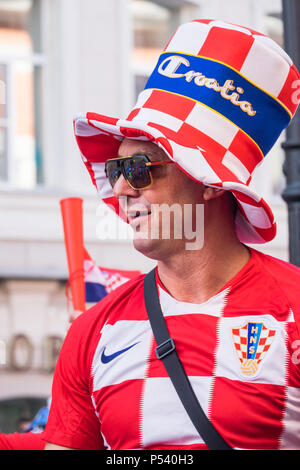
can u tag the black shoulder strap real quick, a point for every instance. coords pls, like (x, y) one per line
(166, 351)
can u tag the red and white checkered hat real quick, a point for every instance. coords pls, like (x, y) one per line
(216, 102)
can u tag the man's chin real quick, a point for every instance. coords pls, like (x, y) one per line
(155, 248)
(147, 246)
(143, 244)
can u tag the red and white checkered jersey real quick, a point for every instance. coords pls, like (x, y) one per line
(240, 349)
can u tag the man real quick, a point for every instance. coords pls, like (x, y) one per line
(215, 104)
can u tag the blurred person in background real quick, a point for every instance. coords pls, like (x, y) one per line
(23, 422)
(29, 434)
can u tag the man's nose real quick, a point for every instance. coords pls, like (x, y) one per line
(122, 188)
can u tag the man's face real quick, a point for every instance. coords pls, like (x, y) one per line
(156, 233)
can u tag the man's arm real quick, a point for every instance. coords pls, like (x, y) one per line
(50, 446)
(22, 441)
(72, 421)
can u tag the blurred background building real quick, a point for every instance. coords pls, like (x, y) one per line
(57, 58)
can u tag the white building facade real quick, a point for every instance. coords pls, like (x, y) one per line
(57, 58)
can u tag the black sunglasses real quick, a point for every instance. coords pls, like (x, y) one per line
(135, 170)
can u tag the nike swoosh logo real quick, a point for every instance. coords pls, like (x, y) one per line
(105, 359)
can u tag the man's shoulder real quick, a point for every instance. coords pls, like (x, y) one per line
(285, 275)
(125, 302)
(128, 293)
(283, 270)
(124, 298)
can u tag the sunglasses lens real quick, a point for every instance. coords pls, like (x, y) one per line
(113, 171)
(137, 173)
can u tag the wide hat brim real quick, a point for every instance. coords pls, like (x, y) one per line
(195, 153)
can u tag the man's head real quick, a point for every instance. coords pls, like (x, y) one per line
(206, 105)
(164, 215)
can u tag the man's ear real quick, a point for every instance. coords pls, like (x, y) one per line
(212, 193)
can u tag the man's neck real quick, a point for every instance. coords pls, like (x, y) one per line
(195, 276)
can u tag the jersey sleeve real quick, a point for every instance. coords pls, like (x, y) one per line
(72, 419)
(22, 441)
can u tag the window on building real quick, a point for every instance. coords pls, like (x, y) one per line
(152, 25)
(21, 64)
(3, 123)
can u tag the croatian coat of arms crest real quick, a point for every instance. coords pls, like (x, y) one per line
(252, 342)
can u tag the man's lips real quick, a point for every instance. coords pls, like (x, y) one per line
(138, 214)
